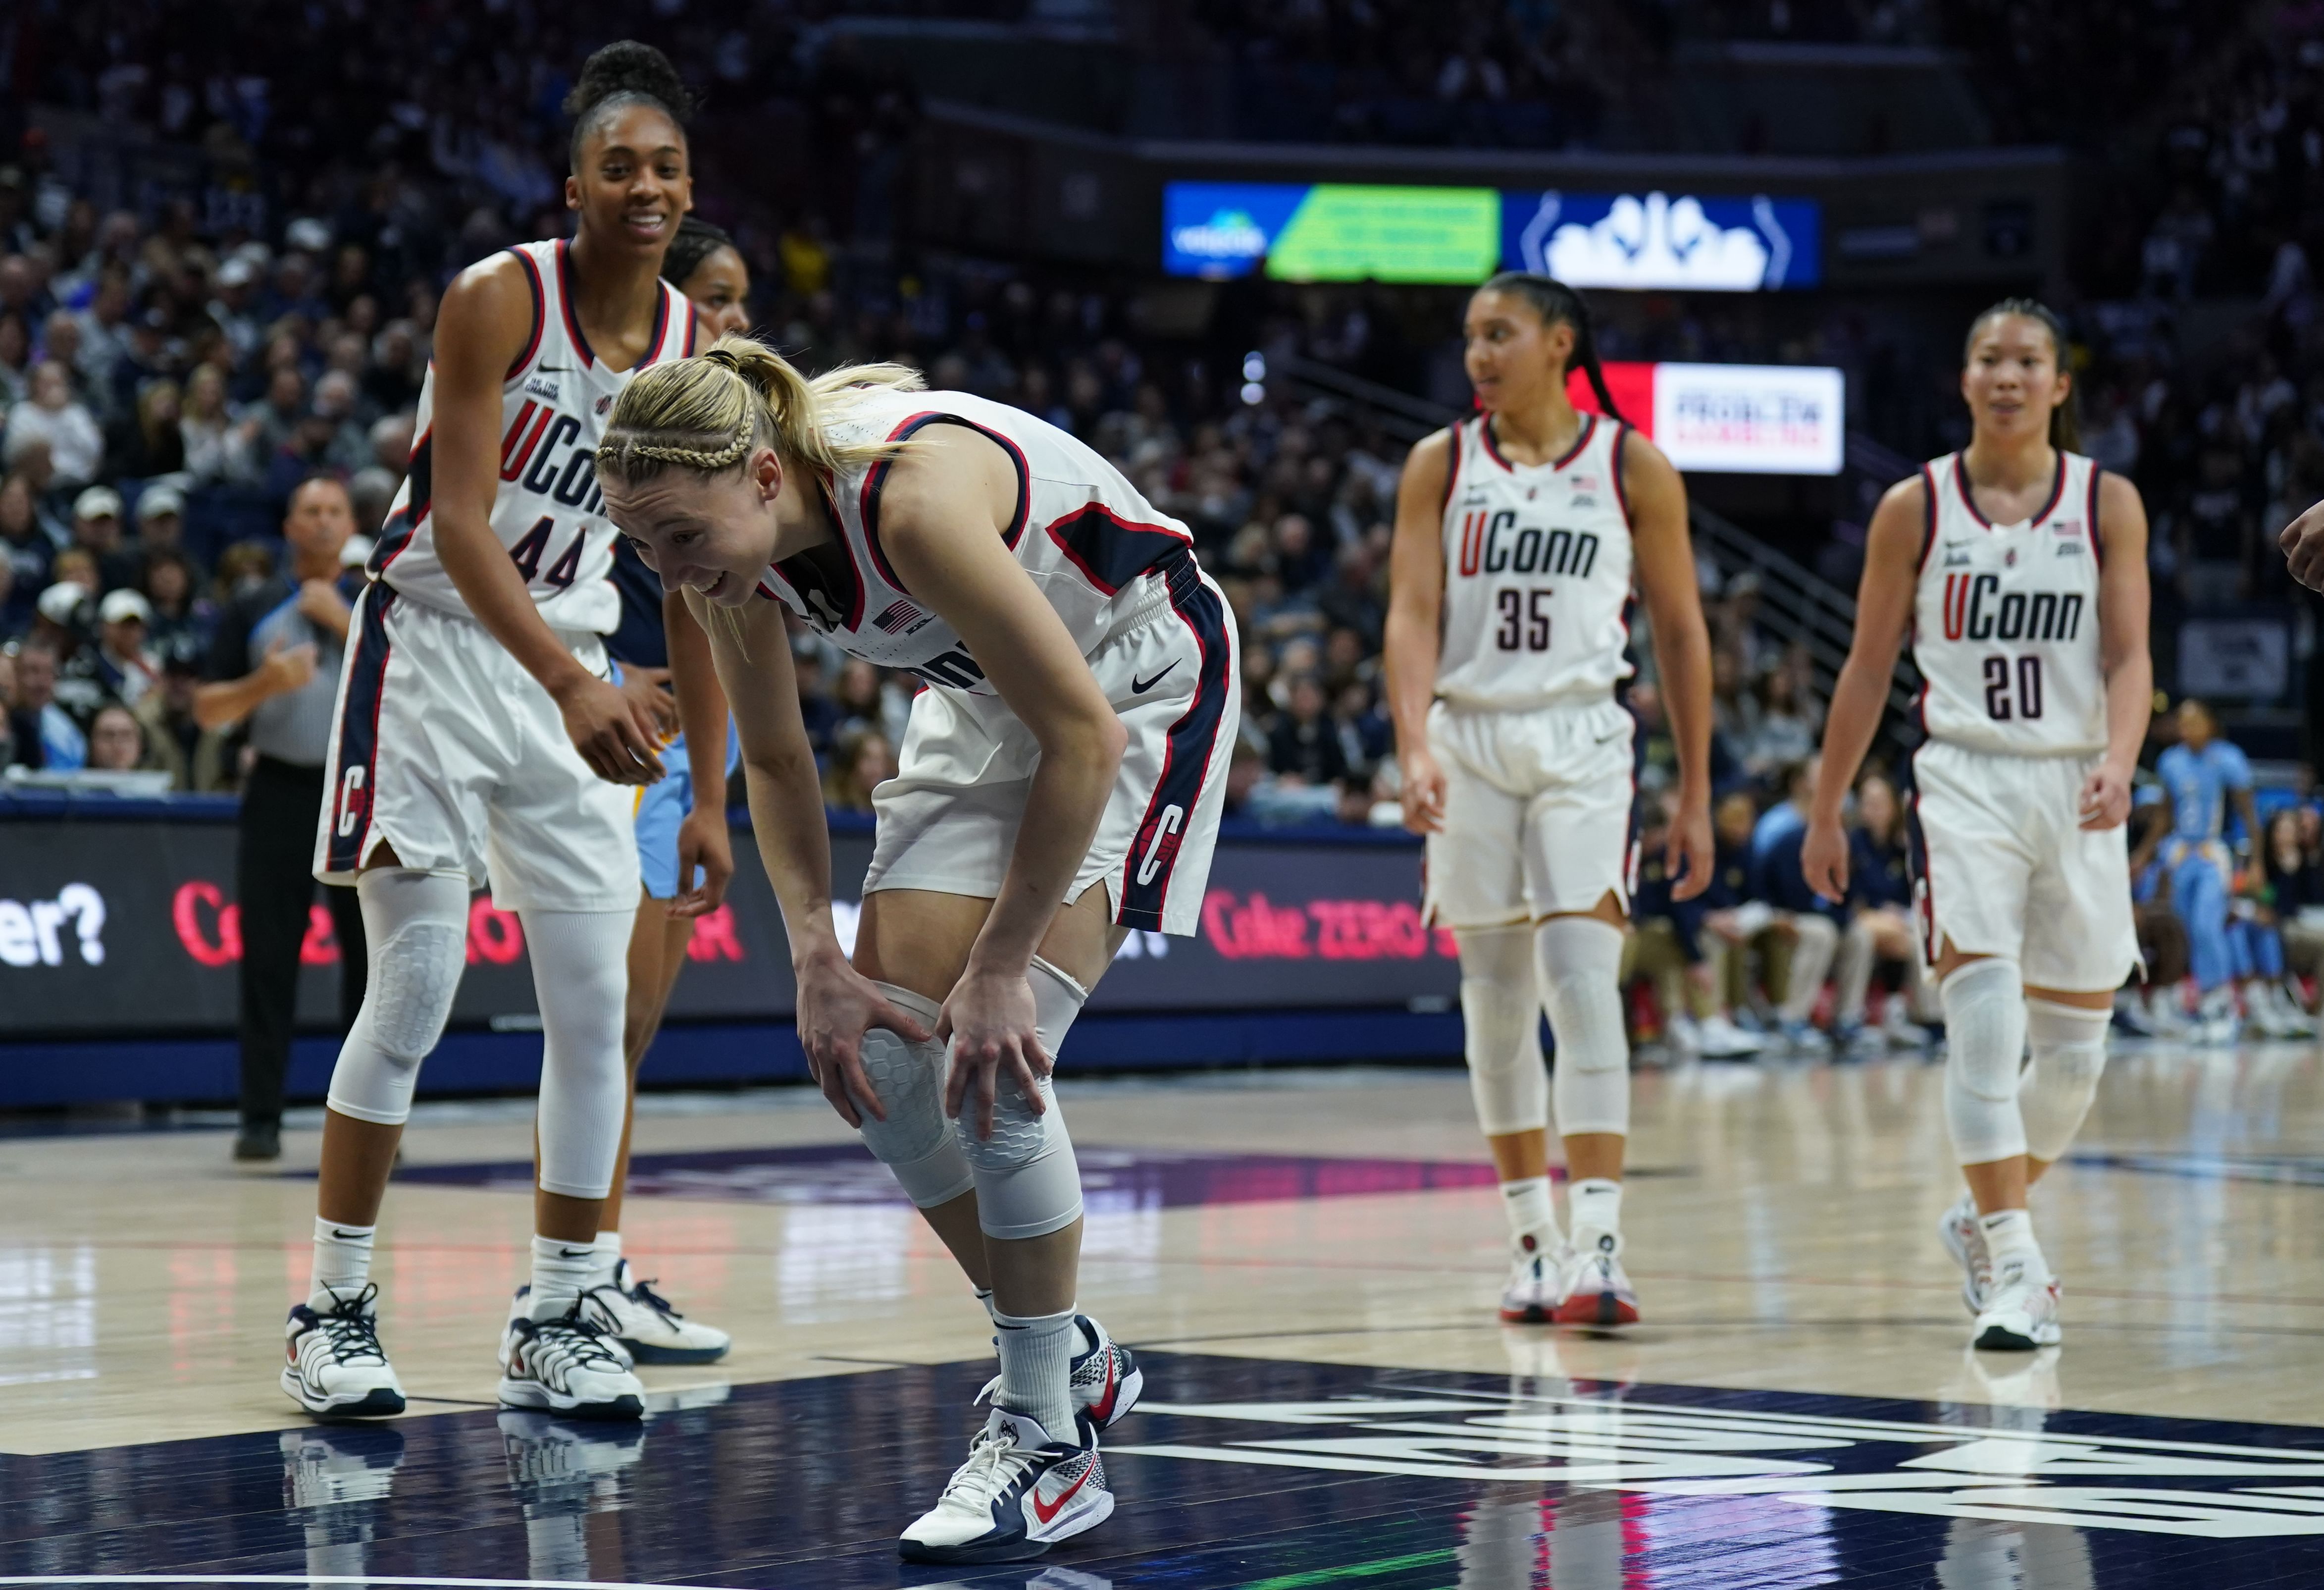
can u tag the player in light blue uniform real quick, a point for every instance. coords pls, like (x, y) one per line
(2202, 776)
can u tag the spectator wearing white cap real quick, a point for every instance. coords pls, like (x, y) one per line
(120, 662)
(96, 527)
(274, 659)
(53, 418)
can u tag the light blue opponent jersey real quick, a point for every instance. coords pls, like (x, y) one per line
(2199, 782)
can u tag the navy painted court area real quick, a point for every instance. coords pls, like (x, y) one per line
(1255, 1474)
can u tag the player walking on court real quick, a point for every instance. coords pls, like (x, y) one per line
(685, 856)
(1518, 533)
(1060, 783)
(477, 736)
(2019, 567)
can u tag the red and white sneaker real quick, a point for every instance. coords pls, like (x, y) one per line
(1593, 1289)
(1964, 1239)
(1536, 1272)
(1019, 1492)
(2020, 1315)
(1105, 1378)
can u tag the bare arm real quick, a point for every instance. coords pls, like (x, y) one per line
(942, 514)
(702, 838)
(836, 1004)
(1883, 610)
(225, 701)
(1666, 576)
(485, 322)
(1416, 607)
(2123, 655)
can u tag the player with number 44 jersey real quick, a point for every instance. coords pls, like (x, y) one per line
(2019, 567)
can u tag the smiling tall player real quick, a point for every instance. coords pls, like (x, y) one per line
(477, 736)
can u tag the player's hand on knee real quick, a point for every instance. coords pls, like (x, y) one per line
(837, 1005)
(703, 847)
(2303, 542)
(991, 1026)
(1823, 860)
(615, 736)
(1422, 793)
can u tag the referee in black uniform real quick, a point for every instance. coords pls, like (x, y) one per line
(274, 659)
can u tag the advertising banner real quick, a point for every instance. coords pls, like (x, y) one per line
(1732, 419)
(131, 928)
(1355, 232)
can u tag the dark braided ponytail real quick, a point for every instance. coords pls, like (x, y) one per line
(2065, 419)
(1555, 301)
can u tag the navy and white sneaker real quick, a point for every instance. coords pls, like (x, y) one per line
(1105, 1376)
(336, 1369)
(567, 1364)
(1019, 1492)
(648, 1328)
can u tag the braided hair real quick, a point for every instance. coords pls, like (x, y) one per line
(1555, 301)
(2065, 418)
(695, 242)
(623, 74)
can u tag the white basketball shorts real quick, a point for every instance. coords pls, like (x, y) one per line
(2002, 865)
(1538, 812)
(948, 821)
(443, 748)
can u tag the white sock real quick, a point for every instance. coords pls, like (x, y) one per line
(560, 1273)
(1594, 1205)
(342, 1262)
(2009, 1239)
(608, 1259)
(1527, 1204)
(1036, 1356)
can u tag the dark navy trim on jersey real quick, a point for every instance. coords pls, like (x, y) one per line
(876, 481)
(420, 480)
(661, 327)
(565, 302)
(1485, 433)
(359, 733)
(1492, 448)
(539, 316)
(1928, 515)
(2098, 541)
(1111, 550)
(693, 329)
(2057, 490)
(1916, 857)
(1192, 742)
(1621, 490)
(1589, 429)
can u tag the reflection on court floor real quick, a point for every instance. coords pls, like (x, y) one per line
(1239, 1473)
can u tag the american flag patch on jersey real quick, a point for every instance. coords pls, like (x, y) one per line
(897, 615)
(2069, 527)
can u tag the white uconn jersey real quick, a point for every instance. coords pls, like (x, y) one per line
(2006, 619)
(1099, 550)
(1538, 564)
(548, 511)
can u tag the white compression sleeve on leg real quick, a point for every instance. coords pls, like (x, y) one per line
(417, 924)
(1815, 938)
(1579, 963)
(1028, 1182)
(1985, 1043)
(2069, 1045)
(580, 971)
(1500, 1021)
(915, 1142)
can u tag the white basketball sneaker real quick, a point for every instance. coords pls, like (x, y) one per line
(1722, 1040)
(1593, 1289)
(1537, 1266)
(653, 1332)
(1021, 1491)
(336, 1369)
(2020, 1313)
(568, 1366)
(1964, 1239)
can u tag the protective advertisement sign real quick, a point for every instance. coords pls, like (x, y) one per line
(131, 928)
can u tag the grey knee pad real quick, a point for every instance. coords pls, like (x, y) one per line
(1028, 1182)
(915, 1142)
(419, 928)
(1579, 962)
(1500, 1022)
(1985, 1044)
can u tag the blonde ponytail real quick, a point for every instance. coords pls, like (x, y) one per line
(711, 412)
